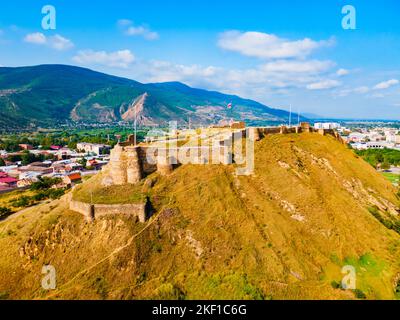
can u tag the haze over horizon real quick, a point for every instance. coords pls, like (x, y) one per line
(277, 54)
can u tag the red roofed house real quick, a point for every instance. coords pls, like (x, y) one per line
(8, 182)
(25, 146)
(72, 179)
(3, 174)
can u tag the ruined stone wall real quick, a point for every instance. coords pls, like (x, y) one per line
(274, 130)
(83, 208)
(332, 133)
(92, 211)
(130, 164)
(131, 209)
(147, 166)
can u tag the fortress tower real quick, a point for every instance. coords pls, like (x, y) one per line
(125, 165)
(134, 168)
(117, 166)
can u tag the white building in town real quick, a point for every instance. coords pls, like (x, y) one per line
(326, 125)
(93, 148)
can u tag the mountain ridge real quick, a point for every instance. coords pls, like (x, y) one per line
(46, 94)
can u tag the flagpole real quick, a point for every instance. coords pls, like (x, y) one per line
(135, 124)
(298, 116)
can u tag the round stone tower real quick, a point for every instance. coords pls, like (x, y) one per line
(164, 165)
(256, 134)
(118, 171)
(134, 169)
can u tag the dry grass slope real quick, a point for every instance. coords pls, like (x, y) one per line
(283, 233)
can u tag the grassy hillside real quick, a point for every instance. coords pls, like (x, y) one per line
(51, 94)
(284, 233)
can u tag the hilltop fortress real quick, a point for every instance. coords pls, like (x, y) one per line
(130, 162)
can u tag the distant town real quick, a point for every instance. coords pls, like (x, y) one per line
(22, 168)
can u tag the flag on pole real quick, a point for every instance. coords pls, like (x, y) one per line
(229, 106)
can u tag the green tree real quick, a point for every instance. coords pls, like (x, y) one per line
(385, 165)
(27, 158)
(82, 162)
(4, 212)
(14, 158)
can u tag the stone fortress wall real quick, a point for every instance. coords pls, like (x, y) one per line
(92, 211)
(130, 163)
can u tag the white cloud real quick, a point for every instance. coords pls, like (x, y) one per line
(56, 42)
(119, 59)
(377, 95)
(342, 72)
(268, 46)
(162, 71)
(293, 66)
(362, 89)
(357, 90)
(143, 31)
(36, 38)
(324, 84)
(60, 43)
(386, 84)
(274, 77)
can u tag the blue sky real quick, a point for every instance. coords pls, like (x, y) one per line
(279, 53)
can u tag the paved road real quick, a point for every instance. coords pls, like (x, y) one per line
(395, 170)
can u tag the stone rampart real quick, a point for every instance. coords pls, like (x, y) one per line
(92, 211)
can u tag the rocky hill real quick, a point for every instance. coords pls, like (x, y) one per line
(50, 94)
(285, 232)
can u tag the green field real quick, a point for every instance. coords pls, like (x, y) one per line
(393, 178)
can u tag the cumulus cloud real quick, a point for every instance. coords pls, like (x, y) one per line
(285, 67)
(119, 59)
(36, 38)
(268, 46)
(386, 84)
(357, 90)
(377, 95)
(56, 42)
(364, 89)
(131, 30)
(342, 72)
(324, 84)
(293, 66)
(275, 76)
(162, 71)
(60, 43)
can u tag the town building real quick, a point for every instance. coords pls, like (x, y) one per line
(72, 179)
(93, 148)
(25, 146)
(326, 125)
